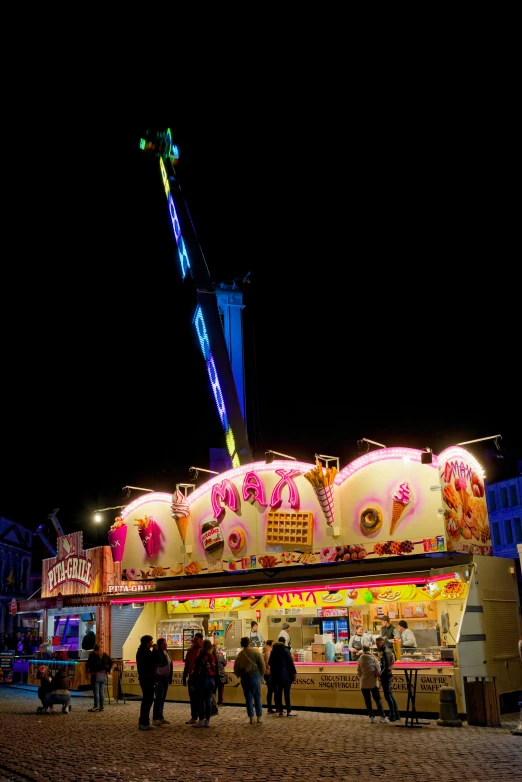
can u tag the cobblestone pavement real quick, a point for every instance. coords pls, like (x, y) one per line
(109, 747)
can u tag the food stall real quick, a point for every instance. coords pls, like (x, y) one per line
(391, 533)
(74, 597)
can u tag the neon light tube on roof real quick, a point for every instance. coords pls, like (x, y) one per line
(154, 496)
(383, 454)
(290, 588)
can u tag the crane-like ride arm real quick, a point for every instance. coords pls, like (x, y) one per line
(57, 526)
(206, 320)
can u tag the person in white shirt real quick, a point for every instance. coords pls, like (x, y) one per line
(407, 637)
(285, 634)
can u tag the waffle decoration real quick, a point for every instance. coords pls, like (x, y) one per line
(289, 529)
(322, 479)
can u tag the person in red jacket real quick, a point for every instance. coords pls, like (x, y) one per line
(190, 659)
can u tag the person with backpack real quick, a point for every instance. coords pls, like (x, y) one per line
(203, 681)
(387, 659)
(249, 666)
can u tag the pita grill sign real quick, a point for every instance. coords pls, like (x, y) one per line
(70, 563)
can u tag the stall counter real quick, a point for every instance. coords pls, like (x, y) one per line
(326, 685)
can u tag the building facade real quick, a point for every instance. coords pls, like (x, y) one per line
(15, 568)
(504, 499)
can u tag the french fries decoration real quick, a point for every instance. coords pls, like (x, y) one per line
(143, 523)
(321, 476)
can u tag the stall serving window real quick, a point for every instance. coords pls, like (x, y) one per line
(66, 630)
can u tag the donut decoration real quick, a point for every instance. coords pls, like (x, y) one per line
(236, 540)
(371, 520)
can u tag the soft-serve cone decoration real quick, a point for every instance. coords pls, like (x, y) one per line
(117, 537)
(401, 499)
(322, 480)
(180, 512)
(149, 533)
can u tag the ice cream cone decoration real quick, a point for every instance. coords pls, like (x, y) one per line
(180, 511)
(460, 487)
(401, 499)
(322, 480)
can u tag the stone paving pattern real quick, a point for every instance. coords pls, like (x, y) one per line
(107, 746)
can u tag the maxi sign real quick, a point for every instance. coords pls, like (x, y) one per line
(70, 569)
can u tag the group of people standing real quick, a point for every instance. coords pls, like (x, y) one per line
(370, 669)
(155, 674)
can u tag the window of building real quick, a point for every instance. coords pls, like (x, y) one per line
(492, 502)
(508, 531)
(503, 497)
(517, 527)
(495, 534)
(513, 495)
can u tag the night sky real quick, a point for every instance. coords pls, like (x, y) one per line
(380, 301)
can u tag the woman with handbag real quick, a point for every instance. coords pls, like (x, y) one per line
(98, 665)
(161, 685)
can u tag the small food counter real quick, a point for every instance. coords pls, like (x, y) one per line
(330, 686)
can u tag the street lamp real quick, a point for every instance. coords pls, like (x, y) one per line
(97, 516)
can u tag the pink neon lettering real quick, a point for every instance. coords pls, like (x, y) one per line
(227, 492)
(253, 489)
(286, 479)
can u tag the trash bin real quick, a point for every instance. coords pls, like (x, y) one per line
(482, 706)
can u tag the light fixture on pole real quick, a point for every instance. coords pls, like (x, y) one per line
(270, 456)
(494, 437)
(97, 516)
(127, 490)
(365, 440)
(185, 487)
(328, 459)
(196, 470)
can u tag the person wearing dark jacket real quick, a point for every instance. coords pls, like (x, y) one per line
(190, 659)
(146, 664)
(98, 666)
(388, 631)
(221, 676)
(387, 659)
(283, 674)
(88, 640)
(161, 685)
(44, 689)
(59, 693)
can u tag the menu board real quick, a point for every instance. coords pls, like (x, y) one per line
(6, 665)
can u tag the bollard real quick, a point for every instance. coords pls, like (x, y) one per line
(518, 729)
(448, 714)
